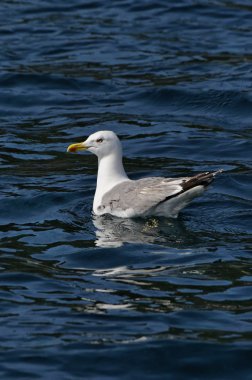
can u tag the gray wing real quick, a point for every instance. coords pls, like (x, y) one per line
(141, 195)
(144, 194)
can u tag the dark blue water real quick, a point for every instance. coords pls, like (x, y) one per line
(105, 298)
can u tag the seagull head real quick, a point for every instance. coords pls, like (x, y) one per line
(102, 144)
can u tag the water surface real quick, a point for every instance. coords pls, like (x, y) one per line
(84, 297)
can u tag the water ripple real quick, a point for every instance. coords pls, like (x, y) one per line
(173, 80)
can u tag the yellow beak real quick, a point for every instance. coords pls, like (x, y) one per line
(73, 148)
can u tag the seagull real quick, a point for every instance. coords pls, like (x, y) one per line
(120, 196)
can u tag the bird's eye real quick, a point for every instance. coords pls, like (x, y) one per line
(99, 140)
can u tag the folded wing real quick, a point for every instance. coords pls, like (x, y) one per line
(141, 197)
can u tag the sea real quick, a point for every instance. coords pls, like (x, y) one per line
(106, 298)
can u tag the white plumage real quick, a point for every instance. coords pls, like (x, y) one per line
(117, 195)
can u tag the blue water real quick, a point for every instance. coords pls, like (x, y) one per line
(105, 298)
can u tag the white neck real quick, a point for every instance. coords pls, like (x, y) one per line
(110, 173)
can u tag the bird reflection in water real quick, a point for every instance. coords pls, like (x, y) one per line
(114, 232)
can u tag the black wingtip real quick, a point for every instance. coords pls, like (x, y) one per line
(202, 179)
(217, 172)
